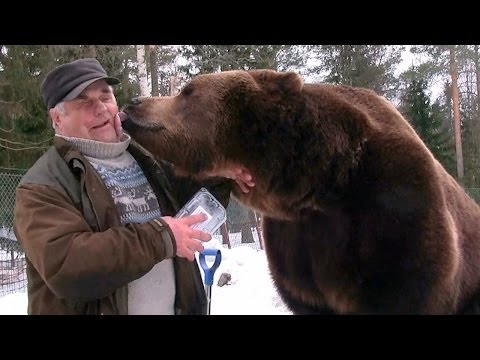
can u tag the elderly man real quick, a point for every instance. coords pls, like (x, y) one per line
(94, 213)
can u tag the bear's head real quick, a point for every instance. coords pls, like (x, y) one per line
(299, 141)
(222, 119)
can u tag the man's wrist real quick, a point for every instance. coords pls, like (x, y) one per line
(167, 237)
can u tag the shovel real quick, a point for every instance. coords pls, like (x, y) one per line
(209, 271)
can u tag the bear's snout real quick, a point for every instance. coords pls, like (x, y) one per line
(136, 101)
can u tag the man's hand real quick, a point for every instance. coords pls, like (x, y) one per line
(243, 178)
(240, 174)
(188, 240)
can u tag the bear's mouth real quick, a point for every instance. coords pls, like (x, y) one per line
(131, 124)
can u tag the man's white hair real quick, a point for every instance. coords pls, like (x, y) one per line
(60, 107)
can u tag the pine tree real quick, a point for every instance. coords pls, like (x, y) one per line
(369, 66)
(430, 122)
(214, 58)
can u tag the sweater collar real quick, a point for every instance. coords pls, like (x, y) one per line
(98, 149)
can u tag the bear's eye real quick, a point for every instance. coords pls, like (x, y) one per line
(187, 90)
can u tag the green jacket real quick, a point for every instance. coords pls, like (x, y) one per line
(79, 256)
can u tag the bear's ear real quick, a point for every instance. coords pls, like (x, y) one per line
(289, 83)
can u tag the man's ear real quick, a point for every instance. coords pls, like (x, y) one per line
(55, 117)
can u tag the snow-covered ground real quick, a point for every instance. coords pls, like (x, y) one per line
(249, 291)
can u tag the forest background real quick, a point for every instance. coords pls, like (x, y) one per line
(438, 92)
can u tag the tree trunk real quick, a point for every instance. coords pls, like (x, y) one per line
(456, 113)
(477, 73)
(173, 85)
(142, 71)
(259, 229)
(224, 232)
(154, 70)
(476, 116)
(247, 236)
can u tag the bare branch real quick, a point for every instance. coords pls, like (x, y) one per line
(8, 131)
(21, 143)
(24, 148)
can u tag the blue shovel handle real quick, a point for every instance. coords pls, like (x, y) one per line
(209, 271)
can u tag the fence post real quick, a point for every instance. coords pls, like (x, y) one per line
(224, 232)
(258, 227)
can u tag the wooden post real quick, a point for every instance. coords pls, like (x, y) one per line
(224, 232)
(173, 85)
(258, 226)
(12, 259)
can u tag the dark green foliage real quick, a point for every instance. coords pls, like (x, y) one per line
(369, 66)
(25, 127)
(213, 58)
(431, 122)
(165, 56)
(470, 128)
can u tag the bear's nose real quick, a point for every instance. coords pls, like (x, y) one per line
(136, 101)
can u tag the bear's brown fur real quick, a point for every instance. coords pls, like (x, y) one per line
(358, 215)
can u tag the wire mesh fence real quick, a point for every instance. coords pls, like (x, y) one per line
(242, 228)
(13, 277)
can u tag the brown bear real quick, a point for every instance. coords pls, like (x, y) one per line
(358, 216)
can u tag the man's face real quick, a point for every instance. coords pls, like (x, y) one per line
(90, 115)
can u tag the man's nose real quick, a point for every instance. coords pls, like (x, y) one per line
(100, 107)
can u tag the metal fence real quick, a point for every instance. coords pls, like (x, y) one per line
(241, 228)
(13, 277)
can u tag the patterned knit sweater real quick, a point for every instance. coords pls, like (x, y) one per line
(153, 293)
